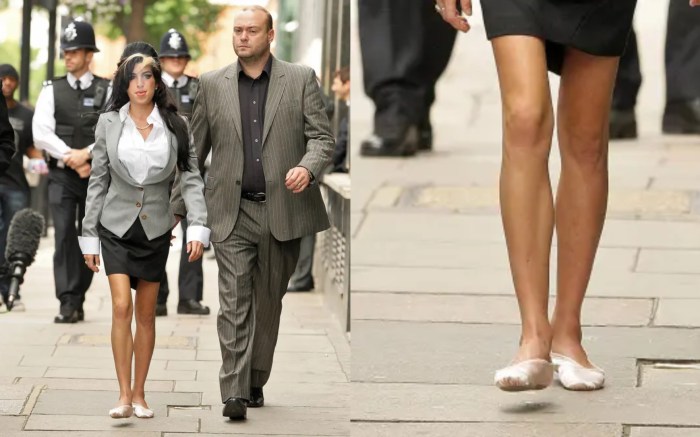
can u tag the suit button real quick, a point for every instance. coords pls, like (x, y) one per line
(144, 217)
(138, 204)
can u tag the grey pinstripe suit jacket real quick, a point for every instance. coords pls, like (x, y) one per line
(116, 200)
(296, 132)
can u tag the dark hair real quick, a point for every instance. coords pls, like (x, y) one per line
(343, 74)
(261, 9)
(135, 53)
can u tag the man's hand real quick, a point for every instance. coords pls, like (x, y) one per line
(84, 171)
(76, 158)
(195, 249)
(92, 262)
(297, 179)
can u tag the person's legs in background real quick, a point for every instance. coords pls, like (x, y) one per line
(623, 122)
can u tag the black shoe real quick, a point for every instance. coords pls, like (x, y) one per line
(66, 316)
(257, 399)
(161, 309)
(425, 139)
(303, 287)
(623, 124)
(81, 315)
(682, 117)
(192, 306)
(235, 408)
(406, 145)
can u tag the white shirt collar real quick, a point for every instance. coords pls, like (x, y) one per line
(168, 79)
(85, 80)
(154, 117)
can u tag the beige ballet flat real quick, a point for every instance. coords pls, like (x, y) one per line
(574, 376)
(533, 374)
(142, 412)
(121, 412)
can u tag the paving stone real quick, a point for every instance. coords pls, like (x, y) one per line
(664, 375)
(659, 431)
(82, 362)
(484, 430)
(11, 423)
(92, 384)
(15, 391)
(281, 421)
(678, 312)
(110, 373)
(450, 402)
(16, 371)
(669, 261)
(176, 342)
(13, 407)
(126, 432)
(40, 422)
(489, 309)
(98, 403)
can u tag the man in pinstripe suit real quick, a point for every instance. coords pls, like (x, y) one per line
(264, 121)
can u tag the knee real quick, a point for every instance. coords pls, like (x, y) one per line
(527, 127)
(585, 148)
(122, 311)
(145, 317)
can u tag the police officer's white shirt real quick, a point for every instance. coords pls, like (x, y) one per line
(169, 80)
(44, 122)
(143, 158)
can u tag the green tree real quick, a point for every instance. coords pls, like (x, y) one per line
(148, 20)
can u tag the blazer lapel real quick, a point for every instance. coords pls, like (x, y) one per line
(274, 95)
(232, 98)
(114, 131)
(172, 159)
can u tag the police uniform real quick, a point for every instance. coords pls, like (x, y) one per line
(183, 90)
(65, 117)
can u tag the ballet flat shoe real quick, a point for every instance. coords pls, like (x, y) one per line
(534, 374)
(121, 412)
(574, 376)
(142, 412)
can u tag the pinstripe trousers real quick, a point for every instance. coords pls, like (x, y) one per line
(254, 269)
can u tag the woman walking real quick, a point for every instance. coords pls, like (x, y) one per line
(141, 146)
(581, 40)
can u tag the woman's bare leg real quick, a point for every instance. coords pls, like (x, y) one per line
(145, 339)
(122, 342)
(585, 94)
(525, 190)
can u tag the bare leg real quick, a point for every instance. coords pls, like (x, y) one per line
(122, 342)
(525, 190)
(585, 94)
(145, 339)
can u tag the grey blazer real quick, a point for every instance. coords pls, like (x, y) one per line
(296, 132)
(116, 200)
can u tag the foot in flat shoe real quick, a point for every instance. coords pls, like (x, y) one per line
(574, 376)
(534, 374)
(121, 412)
(141, 411)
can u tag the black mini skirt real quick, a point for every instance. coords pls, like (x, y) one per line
(597, 27)
(134, 254)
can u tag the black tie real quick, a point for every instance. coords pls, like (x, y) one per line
(175, 83)
(77, 85)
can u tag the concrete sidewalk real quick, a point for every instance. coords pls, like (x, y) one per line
(60, 379)
(434, 314)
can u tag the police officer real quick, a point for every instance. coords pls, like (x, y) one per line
(174, 56)
(682, 59)
(64, 126)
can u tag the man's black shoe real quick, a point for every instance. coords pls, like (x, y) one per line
(66, 316)
(302, 287)
(81, 315)
(425, 139)
(235, 408)
(191, 306)
(623, 124)
(682, 117)
(406, 145)
(257, 399)
(161, 309)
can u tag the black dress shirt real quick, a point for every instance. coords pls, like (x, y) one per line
(252, 93)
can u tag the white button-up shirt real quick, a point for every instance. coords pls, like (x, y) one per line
(143, 158)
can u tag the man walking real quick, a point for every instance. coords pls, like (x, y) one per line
(14, 189)
(64, 125)
(264, 121)
(174, 56)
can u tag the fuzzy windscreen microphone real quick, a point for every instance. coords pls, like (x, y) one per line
(22, 243)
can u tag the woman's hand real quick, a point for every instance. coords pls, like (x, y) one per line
(195, 249)
(694, 2)
(92, 262)
(448, 10)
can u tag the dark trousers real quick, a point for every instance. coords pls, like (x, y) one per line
(11, 200)
(682, 59)
(190, 278)
(67, 203)
(405, 48)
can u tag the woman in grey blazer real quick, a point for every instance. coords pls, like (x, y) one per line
(141, 146)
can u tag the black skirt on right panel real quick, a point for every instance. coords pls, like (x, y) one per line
(597, 27)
